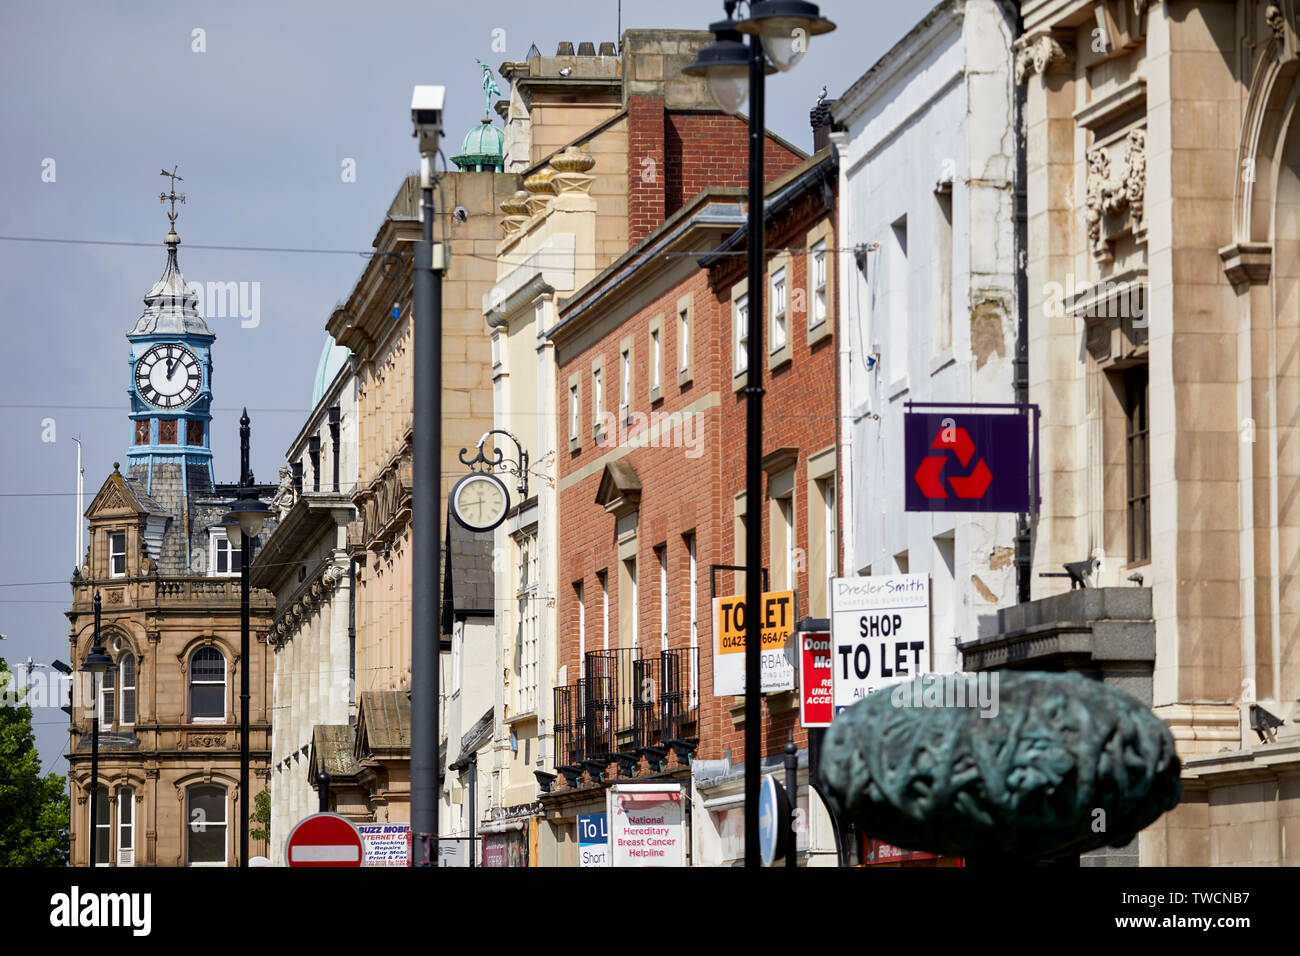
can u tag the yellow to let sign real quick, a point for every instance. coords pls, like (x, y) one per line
(777, 627)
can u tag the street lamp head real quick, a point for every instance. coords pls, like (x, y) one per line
(247, 515)
(724, 63)
(426, 116)
(97, 662)
(785, 27)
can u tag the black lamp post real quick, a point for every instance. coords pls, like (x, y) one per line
(779, 31)
(243, 524)
(97, 664)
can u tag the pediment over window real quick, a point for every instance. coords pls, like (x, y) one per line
(620, 489)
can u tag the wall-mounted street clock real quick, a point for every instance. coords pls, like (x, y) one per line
(168, 376)
(480, 501)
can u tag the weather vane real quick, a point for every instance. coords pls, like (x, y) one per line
(490, 87)
(173, 196)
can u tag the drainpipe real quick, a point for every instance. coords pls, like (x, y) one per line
(1024, 525)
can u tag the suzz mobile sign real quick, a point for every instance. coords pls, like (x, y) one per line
(880, 633)
(961, 460)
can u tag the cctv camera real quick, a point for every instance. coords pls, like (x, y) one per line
(460, 213)
(426, 116)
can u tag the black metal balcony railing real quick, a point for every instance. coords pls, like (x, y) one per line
(624, 706)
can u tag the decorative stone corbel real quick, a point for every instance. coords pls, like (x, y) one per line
(1036, 52)
(1116, 194)
(516, 209)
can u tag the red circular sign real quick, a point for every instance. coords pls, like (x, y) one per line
(324, 839)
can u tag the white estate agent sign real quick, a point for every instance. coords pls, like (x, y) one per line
(646, 824)
(880, 633)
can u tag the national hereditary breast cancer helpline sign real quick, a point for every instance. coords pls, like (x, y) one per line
(880, 633)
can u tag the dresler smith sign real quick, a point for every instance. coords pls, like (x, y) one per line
(880, 634)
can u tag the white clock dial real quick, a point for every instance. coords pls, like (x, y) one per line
(480, 501)
(168, 376)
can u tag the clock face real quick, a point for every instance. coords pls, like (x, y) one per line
(167, 376)
(480, 501)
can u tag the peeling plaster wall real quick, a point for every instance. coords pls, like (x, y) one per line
(938, 107)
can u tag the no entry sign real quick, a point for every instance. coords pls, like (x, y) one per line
(880, 633)
(323, 839)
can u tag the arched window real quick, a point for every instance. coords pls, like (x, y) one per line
(207, 685)
(205, 825)
(126, 675)
(126, 826)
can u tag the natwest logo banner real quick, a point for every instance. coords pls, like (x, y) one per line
(968, 461)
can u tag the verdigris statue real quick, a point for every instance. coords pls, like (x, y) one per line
(1062, 765)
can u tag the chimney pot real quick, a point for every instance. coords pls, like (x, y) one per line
(564, 48)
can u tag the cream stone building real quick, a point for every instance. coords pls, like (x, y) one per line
(1163, 153)
(370, 760)
(305, 563)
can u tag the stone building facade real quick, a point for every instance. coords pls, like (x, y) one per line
(1162, 177)
(169, 748)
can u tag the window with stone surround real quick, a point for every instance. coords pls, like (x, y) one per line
(207, 686)
(117, 554)
(1137, 464)
(205, 825)
(142, 431)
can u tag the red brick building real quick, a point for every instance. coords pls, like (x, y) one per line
(650, 477)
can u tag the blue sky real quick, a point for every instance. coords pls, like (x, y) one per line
(260, 124)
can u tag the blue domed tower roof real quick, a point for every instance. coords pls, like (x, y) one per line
(332, 358)
(483, 149)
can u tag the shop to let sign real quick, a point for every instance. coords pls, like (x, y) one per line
(880, 633)
(776, 622)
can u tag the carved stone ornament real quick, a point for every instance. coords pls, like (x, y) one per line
(1037, 55)
(1029, 781)
(1276, 21)
(1113, 190)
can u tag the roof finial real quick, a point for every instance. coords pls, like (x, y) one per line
(172, 197)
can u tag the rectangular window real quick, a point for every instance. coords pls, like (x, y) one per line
(628, 605)
(661, 555)
(580, 595)
(117, 554)
(142, 431)
(625, 403)
(943, 267)
(1138, 464)
(898, 282)
(693, 598)
(817, 314)
(655, 359)
(603, 578)
(597, 396)
(103, 834)
(683, 340)
(126, 670)
(226, 558)
(194, 433)
(573, 411)
(166, 431)
(742, 334)
(107, 699)
(778, 311)
(527, 624)
(126, 826)
(786, 506)
(205, 814)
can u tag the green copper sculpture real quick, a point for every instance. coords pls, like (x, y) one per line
(1061, 765)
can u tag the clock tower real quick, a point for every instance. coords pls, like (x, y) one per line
(170, 385)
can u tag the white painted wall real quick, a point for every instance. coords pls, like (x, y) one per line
(938, 107)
